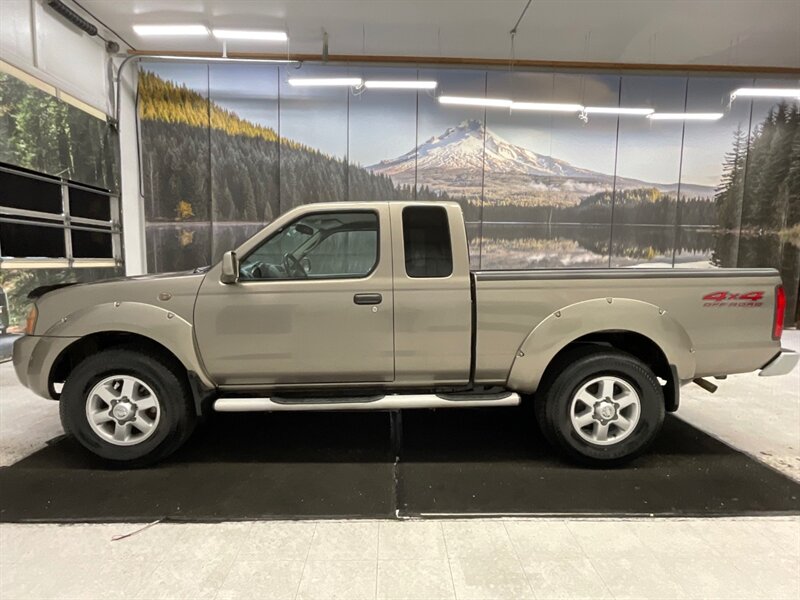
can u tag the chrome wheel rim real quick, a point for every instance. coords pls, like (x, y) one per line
(605, 410)
(123, 410)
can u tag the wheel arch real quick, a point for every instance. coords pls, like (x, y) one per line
(118, 323)
(639, 328)
(71, 356)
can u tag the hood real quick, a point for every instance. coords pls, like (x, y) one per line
(175, 292)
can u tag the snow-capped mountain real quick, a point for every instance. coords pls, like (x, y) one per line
(452, 163)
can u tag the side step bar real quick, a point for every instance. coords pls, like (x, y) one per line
(391, 402)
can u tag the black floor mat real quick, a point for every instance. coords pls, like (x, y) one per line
(489, 463)
(342, 465)
(237, 466)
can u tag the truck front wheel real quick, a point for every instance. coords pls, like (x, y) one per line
(127, 407)
(602, 408)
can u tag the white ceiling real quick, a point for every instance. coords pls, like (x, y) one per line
(718, 32)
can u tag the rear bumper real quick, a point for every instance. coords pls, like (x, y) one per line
(781, 364)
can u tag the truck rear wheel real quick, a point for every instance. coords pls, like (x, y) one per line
(127, 407)
(604, 407)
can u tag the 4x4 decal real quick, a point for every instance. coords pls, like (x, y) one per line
(725, 298)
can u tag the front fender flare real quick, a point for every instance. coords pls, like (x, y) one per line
(158, 324)
(567, 324)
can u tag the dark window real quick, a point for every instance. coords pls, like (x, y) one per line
(426, 238)
(31, 241)
(18, 191)
(89, 205)
(91, 244)
(318, 246)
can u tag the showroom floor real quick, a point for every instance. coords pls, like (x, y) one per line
(481, 559)
(426, 559)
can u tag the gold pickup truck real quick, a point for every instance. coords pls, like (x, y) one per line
(373, 306)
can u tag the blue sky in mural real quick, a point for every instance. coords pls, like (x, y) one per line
(384, 125)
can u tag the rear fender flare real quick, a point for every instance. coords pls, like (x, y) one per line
(574, 321)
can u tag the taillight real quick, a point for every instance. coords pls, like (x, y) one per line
(30, 322)
(780, 309)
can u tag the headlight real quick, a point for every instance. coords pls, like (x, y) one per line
(30, 323)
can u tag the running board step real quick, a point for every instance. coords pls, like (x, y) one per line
(391, 402)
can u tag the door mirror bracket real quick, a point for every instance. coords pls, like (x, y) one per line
(230, 268)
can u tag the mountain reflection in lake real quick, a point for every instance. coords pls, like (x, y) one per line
(185, 245)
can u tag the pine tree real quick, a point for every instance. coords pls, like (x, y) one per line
(728, 196)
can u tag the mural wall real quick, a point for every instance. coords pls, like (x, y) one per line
(225, 148)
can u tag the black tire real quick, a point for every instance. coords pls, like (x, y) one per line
(554, 401)
(177, 415)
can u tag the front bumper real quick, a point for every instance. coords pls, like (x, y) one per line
(34, 357)
(781, 364)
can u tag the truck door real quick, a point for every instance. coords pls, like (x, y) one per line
(313, 305)
(432, 296)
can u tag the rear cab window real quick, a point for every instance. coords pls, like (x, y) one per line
(426, 242)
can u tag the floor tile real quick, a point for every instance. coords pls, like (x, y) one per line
(273, 579)
(784, 533)
(338, 579)
(637, 576)
(278, 540)
(353, 540)
(543, 539)
(210, 540)
(565, 578)
(774, 577)
(415, 580)
(724, 535)
(79, 578)
(606, 538)
(713, 577)
(489, 579)
(671, 538)
(173, 580)
(473, 539)
(411, 540)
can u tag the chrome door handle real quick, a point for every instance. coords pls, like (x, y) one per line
(367, 298)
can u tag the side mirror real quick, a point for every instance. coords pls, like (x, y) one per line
(230, 268)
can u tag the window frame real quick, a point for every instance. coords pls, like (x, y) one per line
(64, 221)
(311, 280)
(449, 241)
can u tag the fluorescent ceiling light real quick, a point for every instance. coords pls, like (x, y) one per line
(170, 29)
(685, 116)
(469, 101)
(614, 110)
(400, 85)
(546, 106)
(324, 81)
(250, 34)
(766, 93)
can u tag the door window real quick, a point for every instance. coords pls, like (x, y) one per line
(334, 245)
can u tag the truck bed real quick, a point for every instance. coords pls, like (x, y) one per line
(727, 314)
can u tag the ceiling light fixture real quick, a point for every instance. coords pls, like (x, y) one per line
(766, 93)
(547, 106)
(325, 81)
(146, 30)
(400, 85)
(614, 110)
(685, 116)
(470, 101)
(250, 34)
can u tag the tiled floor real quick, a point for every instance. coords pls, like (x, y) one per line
(426, 560)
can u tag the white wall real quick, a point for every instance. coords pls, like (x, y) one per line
(38, 41)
